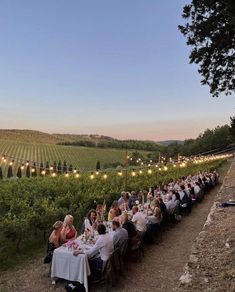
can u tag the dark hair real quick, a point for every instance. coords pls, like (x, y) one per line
(177, 196)
(116, 223)
(89, 213)
(101, 228)
(114, 204)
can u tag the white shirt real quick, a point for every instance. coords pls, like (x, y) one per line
(170, 205)
(140, 221)
(87, 224)
(103, 246)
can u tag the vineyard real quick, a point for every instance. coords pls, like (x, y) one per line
(29, 206)
(79, 157)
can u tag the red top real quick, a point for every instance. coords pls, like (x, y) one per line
(70, 234)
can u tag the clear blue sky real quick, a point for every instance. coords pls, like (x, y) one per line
(118, 68)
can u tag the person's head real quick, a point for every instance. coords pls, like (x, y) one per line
(114, 205)
(126, 197)
(68, 220)
(115, 224)
(182, 187)
(155, 203)
(177, 196)
(100, 208)
(135, 209)
(168, 197)
(124, 217)
(58, 225)
(101, 228)
(123, 194)
(92, 214)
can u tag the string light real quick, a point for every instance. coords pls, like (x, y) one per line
(77, 175)
(133, 172)
(120, 173)
(149, 171)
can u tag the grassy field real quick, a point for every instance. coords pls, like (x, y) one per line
(81, 157)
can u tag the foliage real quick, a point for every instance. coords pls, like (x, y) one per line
(29, 206)
(210, 31)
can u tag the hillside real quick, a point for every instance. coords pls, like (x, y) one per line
(92, 140)
(29, 136)
(80, 157)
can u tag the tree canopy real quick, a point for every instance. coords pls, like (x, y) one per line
(210, 30)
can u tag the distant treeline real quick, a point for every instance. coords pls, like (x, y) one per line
(215, 139)
(114, 143)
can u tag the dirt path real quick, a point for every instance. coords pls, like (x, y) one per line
(159, 270)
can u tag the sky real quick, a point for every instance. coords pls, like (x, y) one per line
(118, 68)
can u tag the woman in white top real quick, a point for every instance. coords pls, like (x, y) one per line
(90, 222)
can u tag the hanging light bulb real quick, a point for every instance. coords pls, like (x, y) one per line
(119, 173)
(149, 171)
(53, 174)
(43, 172)
(77, 175)
(92, 176)
(105, 175)
(140, 171)
(133, 173)
(75, 170)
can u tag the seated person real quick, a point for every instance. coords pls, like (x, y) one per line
(114, 211)
(99, 254)
(100, 210)
(120, 237)
(54, 240)
(139, 220)
(90, 223)
(156, 216)
(129, 226)
(68, 231)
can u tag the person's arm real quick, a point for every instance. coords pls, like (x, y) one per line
(63, 234)
(94, 250)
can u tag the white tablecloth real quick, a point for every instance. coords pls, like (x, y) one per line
(67, 266)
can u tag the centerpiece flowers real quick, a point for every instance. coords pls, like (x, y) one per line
(71, 244)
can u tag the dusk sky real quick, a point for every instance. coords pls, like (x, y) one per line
(118, 68)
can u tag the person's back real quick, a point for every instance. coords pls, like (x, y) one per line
(140, 221)
(120, 237)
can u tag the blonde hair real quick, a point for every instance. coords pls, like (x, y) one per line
(57, 225)
(67, 218)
